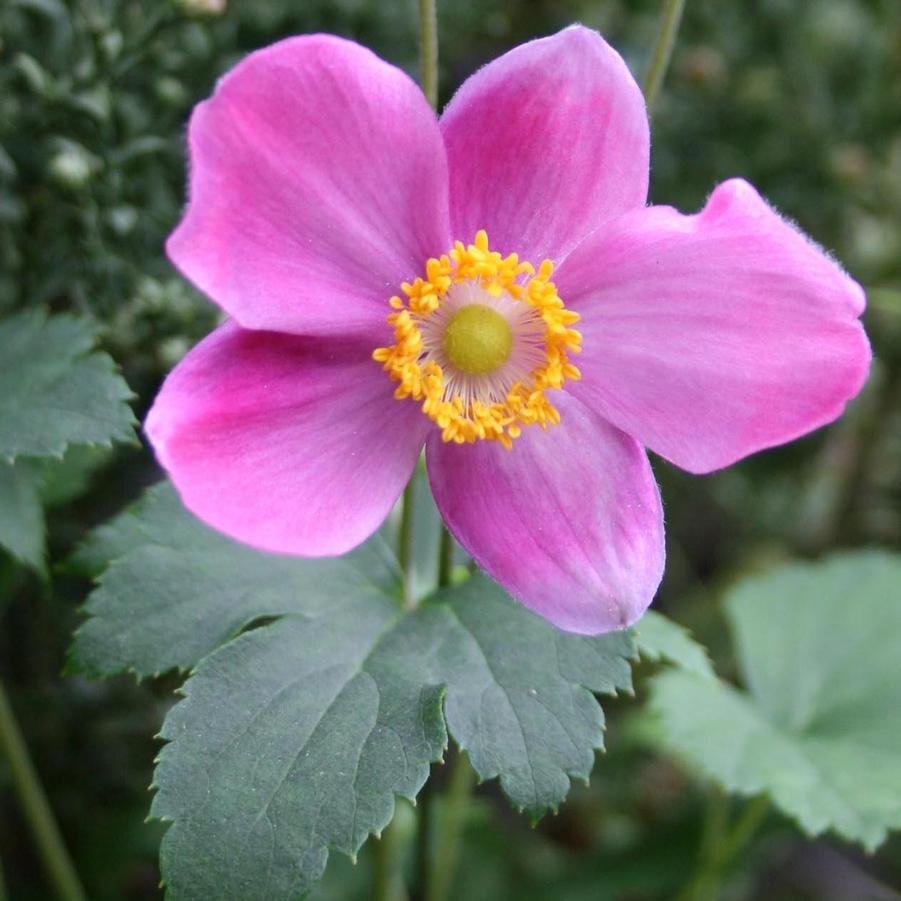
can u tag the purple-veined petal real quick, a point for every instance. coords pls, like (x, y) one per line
(711, 336)
(569, 521)
(318, 184)
(545, 143)
(289, 444)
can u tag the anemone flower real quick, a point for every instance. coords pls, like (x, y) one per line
(490, 285)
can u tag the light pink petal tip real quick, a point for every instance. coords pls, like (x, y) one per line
(711, 336)
(569, 521)
(318, 184)
(287, 444)
(545, 143)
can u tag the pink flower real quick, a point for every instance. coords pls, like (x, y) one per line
(336, 221)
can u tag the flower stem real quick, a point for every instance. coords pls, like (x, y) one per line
(405, 538)
(428, 50)
(386, 881)
(450, 839)
(445, 558)
(387, 885)
(424, 813)
(663, 50)
(36, 808)
(724, 846)
(425, 801)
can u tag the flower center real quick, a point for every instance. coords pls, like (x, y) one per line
(479, 341)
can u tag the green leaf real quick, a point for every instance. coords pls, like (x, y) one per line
(292, 740)
(659, 638)
(820, 726)
(21, 514)
(177, 589)
(54, 390)
(63, 481)
(295, 737)
(520, 692)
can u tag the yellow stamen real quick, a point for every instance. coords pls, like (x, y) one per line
(478, 340)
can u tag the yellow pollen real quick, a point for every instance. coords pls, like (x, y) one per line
(478, 346)
(478, 339)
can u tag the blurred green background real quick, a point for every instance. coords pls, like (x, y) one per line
(802, 97)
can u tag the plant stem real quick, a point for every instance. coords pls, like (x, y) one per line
(405, 538)
(447, 852)
(387, 884)
(4, 896)
(428, 50)
(704, 885)
(445, 558)
(428, 77)
(424, 813)
(386, 881)
(716, 819)
(663, 50)
(35, 807)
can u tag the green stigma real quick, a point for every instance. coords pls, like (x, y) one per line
(478, 339)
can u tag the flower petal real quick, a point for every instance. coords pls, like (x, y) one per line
(318, 184)
(711, 336)
(545, 143)
(287, 444)
(569, 521)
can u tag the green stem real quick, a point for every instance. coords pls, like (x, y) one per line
(387, 885)
(445, 558)
(704, 886)
(386, 881)
(428, 50)
(405, 538)
(36, 808)
(716, 819)
(424, 815)
(3, 893)
(663, 50)
(447, 851)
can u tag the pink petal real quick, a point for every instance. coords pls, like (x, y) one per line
(712, 336)
(292, 445)
(569, 521)
(318, 185)
(545, 143)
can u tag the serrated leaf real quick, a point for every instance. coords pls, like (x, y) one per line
(295, 737)
(177, 590)
(292, 740)
(820, 726)
(520, 692)
(21, 514)
(659, 638)
(54, 390)
(62, 481)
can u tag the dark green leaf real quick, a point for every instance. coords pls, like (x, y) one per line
(54, 390)
(62, 481)
(292, 740)
(520, 692)
(21, 514)
(295, 736)
(177, 589)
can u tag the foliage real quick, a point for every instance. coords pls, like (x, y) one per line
(820, 725)
(335, 707)
(55, 393)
